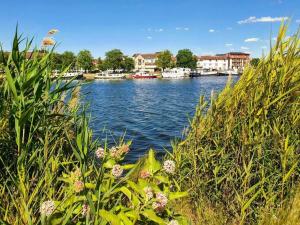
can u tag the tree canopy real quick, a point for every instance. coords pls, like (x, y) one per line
(114, 59)
(128, 64)
(164, 60)
(56, 61)
(68, 59)
(85, 60)
(186, 59)
(254, 61)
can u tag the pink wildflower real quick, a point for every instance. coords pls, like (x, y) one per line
(100, 153)
(78, 186)
(145, 174)
(117, 170)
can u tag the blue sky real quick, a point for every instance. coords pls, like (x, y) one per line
(206, 27)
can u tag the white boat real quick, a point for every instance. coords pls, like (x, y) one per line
(207, 72)
(71, 75)
(110, 75)
(229, 72)
(176, 73)
(68, 75)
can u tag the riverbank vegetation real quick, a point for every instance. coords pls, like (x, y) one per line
(51, 170)
(239, 163)
(240, 160)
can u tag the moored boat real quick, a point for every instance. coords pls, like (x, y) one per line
(229, 72)
(194, 74)
(143, 75)
(69, 75)
(110, 75)
(207, 72)
(176, 73)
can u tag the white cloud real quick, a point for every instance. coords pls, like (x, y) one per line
(244, 48)
(211, 30)
(228, 45)
(155, 29)
(252, 40)
(182, 28)
(149, 38)
(159, 30)
(298, 21)
(265, 19)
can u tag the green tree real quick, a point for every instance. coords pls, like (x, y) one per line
(254, 61)
(114, 59)
(56, 61)
(128, 64)
(85, 60)
(99, 64)
(186, 59)
(68, 59)
(164, 60)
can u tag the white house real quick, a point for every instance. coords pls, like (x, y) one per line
(145, 62)
(212, 62)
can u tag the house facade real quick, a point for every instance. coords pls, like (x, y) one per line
(229, 61)
(212, 62)
(145, 62)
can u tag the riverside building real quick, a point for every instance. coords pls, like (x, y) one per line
(230, 61)
(145, 62)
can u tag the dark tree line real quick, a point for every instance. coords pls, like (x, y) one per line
(184, 58)
(114, 60)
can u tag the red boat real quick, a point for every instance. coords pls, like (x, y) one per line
(143, 75)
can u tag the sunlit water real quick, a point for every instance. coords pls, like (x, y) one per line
(151, 113)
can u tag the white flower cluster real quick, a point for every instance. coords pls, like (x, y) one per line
(161, 202)
(169, 166)
(162, 199)
(149, 192)
(100, 153)
(117, 170)
(173, 222)
(47, 208)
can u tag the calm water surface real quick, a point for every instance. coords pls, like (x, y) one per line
(150, 112)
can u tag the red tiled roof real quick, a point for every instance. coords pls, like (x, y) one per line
(230, 55)
(212, 57)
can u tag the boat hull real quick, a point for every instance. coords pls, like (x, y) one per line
(110, 76)
(193, 75)
(144, 77)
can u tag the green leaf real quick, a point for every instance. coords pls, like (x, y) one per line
(150, 214)
(109, 217)
(177, 195)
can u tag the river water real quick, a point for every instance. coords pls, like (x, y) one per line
(151, 113)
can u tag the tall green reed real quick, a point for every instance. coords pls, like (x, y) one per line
(243, 153)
